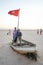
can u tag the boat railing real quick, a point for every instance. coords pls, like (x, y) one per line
(28, 43)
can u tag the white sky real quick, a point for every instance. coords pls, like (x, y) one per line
(31, 14)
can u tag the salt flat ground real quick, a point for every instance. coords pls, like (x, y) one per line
(10, 57)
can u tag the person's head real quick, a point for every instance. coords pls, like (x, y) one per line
(19, 30)
(14, 28)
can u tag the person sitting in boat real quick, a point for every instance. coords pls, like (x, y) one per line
(19, 35)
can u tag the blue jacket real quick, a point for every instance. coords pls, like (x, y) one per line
(19, 34)
(15, 34)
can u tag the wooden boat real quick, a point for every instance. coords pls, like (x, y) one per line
(26, 48)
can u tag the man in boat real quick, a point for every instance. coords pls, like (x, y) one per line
(13, 32)
(19, 35)
(14, 35)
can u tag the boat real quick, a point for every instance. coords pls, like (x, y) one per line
(27, 48)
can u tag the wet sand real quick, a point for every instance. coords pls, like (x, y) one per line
(10, 57)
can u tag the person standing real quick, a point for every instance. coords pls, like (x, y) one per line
(19, 35)
(13, 32)
(40, 31)
(14, 35)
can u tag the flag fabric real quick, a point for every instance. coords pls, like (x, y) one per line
(14, 12)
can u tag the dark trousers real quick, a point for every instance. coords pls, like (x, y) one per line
(15, 40)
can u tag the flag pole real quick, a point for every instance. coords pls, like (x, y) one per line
(18, 19)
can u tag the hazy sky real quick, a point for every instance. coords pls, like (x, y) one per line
(31, 14)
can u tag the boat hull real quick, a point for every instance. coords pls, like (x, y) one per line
(24, 50)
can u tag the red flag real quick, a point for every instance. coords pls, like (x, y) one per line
(14, 12)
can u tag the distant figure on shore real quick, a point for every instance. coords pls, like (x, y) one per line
(39, 31)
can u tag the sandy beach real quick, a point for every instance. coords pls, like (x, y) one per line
(10, 57)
